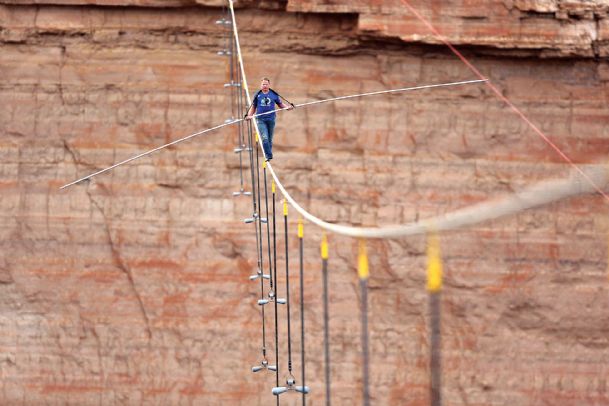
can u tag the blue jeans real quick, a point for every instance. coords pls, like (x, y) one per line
(266, 128)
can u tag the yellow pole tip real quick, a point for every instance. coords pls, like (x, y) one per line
(434, 264)
(362, 263)
(324, 246)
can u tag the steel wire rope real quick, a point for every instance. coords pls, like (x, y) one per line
(533, 196)
(229, 50)
(287, 284)
(537, 195)
(276, 290)
(272, 293)
(240, 102)
(236, 99)
(302, 318)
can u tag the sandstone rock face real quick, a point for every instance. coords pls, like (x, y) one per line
(545, 27)
(133, 289)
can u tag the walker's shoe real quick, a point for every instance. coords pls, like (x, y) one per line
(269, 158)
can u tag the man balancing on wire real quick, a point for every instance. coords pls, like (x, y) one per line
(264, 101)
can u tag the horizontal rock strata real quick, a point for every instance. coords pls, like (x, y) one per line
(133, 288)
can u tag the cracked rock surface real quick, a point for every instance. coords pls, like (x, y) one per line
(132, 289)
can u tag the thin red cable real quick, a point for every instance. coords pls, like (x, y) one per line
(502, 97)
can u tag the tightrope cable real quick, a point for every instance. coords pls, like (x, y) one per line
(530, 197)
(537, 195)
(534, 196)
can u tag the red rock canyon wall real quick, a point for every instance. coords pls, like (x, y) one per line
(133, 289)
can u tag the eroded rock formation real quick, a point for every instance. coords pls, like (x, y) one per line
(132, 289)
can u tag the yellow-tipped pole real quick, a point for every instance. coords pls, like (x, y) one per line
(434, 264)
(363, 273)
(326, 318)
(434, 287)
(362, 261)
(273, 188)
(285, 207)
(302, 309)
(324, 246)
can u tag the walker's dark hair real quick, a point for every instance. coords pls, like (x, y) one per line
(267, 79)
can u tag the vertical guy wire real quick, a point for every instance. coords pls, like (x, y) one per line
(276, 289)
(302, 318)
(435, 361)
(231, 50)
(258, 220)
(268, 232)
(363, 274)
(287, 283)
(434, 287)
(258, 238)
(324, 266)
(251, 156)
(240, 103)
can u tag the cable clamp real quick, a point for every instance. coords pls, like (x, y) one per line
(271, 298)
(258, 275)
(264, 365)
(290, 386)
(242, 192)
(224, 21)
